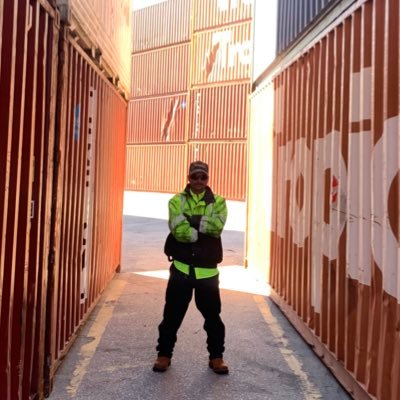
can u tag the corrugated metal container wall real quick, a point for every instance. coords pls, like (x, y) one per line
(335, 240)
(161, 71)
(147, 165)
(295, 16)
(215, 13)
(107, 24)
(150, 29)
(157, 120)
(28, 60)
(87, 221)
(227, 161)
(219, 112)
(222, 55)
(260, 162)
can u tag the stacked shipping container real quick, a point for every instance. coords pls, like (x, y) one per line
(62, 147)
(190, 89)
(334, 258)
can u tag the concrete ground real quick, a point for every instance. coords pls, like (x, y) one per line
(113, 355)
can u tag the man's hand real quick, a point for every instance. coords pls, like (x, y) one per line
(194, 220)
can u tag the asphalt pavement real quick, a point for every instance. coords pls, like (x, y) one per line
(113, 355)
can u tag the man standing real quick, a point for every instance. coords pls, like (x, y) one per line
(196, 219)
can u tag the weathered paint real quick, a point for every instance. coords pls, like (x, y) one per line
(152, 27)
(334, 263)
(222, 55)
(161, 71)
(219, 112)
(217, 13)
(157, 120)
(28, 45)
(87, 210)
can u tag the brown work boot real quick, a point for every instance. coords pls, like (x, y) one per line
(218, 366)
(161, 364)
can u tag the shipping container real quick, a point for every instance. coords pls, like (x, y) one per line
(28, 52)
(161, 71)
(219, 112)
(227, 162)
(87, 211)
(334, 264)
(222, 55)
(156, 168)
(157, 120)
(154, 27)
(216, 13)
(104, 29)
(294, 17)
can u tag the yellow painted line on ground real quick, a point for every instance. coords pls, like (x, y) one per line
(96, 331)
(309, 390)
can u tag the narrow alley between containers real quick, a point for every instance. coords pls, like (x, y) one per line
(113, 355)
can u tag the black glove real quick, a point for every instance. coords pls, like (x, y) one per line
(194, 220)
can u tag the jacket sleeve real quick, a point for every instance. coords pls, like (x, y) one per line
(214, 219)
(178, 223)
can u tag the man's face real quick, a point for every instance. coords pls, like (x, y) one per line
(198, 182)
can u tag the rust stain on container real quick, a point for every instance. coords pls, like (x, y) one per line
(150, 29)
(335, 207)
(216, 13)
(157, 120)
(222, 55)
(219, 112)
(166, 71)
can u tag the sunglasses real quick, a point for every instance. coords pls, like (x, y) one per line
(195, 177)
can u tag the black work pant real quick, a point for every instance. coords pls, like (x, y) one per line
(208, 301)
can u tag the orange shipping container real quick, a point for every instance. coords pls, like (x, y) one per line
(150, 29)
(335, 255)
(161, 71)
(222, 55)
(219, 112)
(104, 28)
(216, 13)
(155, 168)
(157, 120)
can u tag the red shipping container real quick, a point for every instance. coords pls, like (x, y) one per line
(222, 55)
(157, 120)
(216, 13)
(161, 71)
(219, 112)
(156, 168)
(335, 218)
(152, 27)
